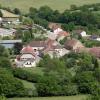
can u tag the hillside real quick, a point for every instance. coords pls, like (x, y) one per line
(61, 5)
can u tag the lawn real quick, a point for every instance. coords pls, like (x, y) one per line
(80, 97)
(60, 5)
(27, 84)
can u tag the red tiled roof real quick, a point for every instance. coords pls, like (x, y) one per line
(71, 42)
(27, 49)
(95, 51)
(37, 43)
(54, 26)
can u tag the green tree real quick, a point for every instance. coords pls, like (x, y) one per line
(5, 62)
(1, 14)
(86, 82)
(17, 11)
(17, 48)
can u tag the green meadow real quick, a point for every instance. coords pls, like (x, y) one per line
(79, 97)
(60, 5)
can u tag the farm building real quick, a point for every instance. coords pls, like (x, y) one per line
(8, 16)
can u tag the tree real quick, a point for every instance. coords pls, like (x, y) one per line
(3, 52)
(27, 21)
(5, 62)
(44, 12)
(97, 74)
(9, 86)
(73, 7)
(17, 11)
(17, 48)
(1, 14)
(32, 12)
(86, 82)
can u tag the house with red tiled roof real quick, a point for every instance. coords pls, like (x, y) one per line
(73, 44)
(54, 49)
(37, 45)
(28, 57)
(54, 26)
(95, 51)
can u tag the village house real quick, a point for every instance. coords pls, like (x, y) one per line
(54, 26)
(73, 44)
(7, 32)
(28, 57)
(54, 49)
(58, 34)
(37, 45)
(9, 17)
(95, 37)
(95, 51)
(81, 33)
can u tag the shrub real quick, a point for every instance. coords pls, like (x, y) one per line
(25, 75)
(9, 86)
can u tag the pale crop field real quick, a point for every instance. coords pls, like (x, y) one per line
(60, 5)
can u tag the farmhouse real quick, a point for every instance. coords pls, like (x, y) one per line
(73, 44)
(54, 26)
(81, 33)
(54, 49)
(8, 16)
(95, 51)
(37, 45)
(27, 58)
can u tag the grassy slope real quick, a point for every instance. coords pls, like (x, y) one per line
(61, 5)
(27, 84)
(80, 97)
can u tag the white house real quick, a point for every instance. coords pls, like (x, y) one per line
(27, 58)
(82, 33)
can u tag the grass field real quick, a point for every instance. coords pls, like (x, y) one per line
(80, 97)
(27, 84)
(60, 5)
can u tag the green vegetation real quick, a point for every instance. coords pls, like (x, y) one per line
(80, 97)
(27, 84)
(61, 4)
(36, 70)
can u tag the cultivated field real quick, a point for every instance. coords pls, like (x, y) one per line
(60, 5)
(80, 97)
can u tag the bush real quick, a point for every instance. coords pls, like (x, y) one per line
(25, 75)
(9, 86)
(60, 85)
(2, 97)
(86, 82)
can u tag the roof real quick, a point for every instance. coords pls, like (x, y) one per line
(52, 46)
(78, 31)
(27, 49)
(4, 31)
(37, 43)
(95, 51)
(54, 26)
(71, 42)
(8, 14)
(10, 41)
